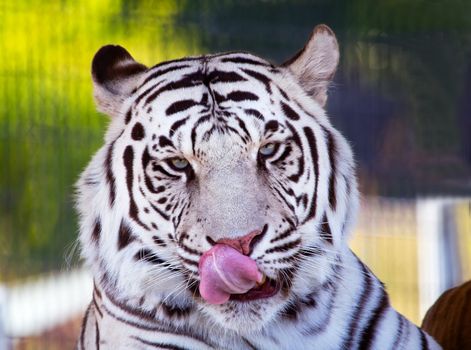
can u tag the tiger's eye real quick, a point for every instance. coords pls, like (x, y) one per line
(268, 149)
(180, 163)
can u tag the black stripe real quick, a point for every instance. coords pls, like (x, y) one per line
(189, 80)
(218, 76)
(315, 160)
(289, 112)
(286, 152)
(369, 333)
(96, 230)
(109, 172)
(163, 171)
(176, 310)
(84, 327)
(283, 198)
(166, 346)
(254, 113)
(138, 132)
(128, 116)
(243, 127)
(330, 288)
(326, 233)
(159, 241)
(161, 72)
(358, 311)
(125, 236)
(284, 247)
(193, 139)
(148, 256)
(399, 331)
(423, 340)
(332, 152)
(244, 60)
(165, 142)
(128, 159)
(178, 60)
(177, 125)
(160, 212)
(146, 158)
(236, 96)
(260, 77)
(272, 126)
(249, 344)
(97, 336)
(282, 235)
(180, 106)
(297, 140)
(97, 308)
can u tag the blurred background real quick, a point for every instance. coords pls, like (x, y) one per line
(402, 96)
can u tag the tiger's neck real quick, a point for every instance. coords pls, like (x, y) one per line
(310, 320)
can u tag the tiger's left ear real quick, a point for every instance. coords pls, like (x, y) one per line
(314, 66)
(115, 76)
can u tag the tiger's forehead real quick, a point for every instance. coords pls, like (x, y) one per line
(227, 99)
(217, 73)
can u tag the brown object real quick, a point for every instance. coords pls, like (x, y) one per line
(449, 319)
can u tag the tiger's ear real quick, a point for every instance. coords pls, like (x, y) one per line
(314, 66)
(115, 75)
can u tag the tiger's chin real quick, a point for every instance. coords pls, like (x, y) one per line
(245, 313)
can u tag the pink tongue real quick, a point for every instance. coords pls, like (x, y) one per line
(225, 271)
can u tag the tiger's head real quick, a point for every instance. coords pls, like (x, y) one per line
(222, 186)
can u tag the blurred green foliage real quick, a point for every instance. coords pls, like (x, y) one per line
(48, 125)
(413, 53)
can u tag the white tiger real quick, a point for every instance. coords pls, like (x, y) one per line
(217, 214)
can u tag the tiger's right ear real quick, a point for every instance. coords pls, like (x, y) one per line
(115, 75)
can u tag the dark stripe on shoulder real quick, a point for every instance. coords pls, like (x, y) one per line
(369, 333)
(359, 310)
(399, 332)
(423, 340)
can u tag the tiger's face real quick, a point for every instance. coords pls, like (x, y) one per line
(222, 186)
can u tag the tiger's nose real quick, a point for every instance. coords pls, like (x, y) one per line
(244, 244)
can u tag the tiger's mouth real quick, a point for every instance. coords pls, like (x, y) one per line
(264, 290)
(226, 274)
